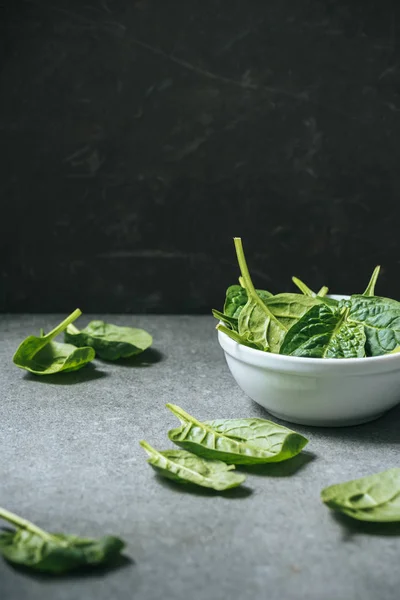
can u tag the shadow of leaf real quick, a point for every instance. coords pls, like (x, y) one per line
(85, 572)
(87, 373)
(147, 358)
(352, 527)
(280, 469)
(241, 491)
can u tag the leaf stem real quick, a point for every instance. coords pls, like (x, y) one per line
(72, 329)
(370, 291)
(64, 324)
(303, 287)
(230, 333)
(183, 416)
(24, 524)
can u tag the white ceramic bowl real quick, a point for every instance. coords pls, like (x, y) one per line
(327, 392)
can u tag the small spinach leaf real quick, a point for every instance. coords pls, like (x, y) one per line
(381, 320)
(236, 441)
(230, 322)
(185, 467)
(42, 356)
(372, 498)
(256, 323)
(325, 333)
(370, 291)
(32, 547)
(110, 342)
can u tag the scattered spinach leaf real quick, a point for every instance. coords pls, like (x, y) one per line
(110, 342)
(42, 356)
(372, 498)
(236, 441)
(325, 333)
(185, 467)
(32, 547)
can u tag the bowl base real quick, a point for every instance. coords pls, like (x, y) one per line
(326, 423)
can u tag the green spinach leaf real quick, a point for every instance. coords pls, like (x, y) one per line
(236, 441)
(41, 356)
(110, 342)
(325, 333)
(185, 467)
(236, 298)
(32, 547)
(381, 320)
(230, 322)
(370, 291)
(372, 498)
(289, 308)
(257, 324)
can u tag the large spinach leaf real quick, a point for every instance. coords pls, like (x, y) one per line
(325, 333)
(381, 320)
(185, 467)
(236, 298)
(236, 441)
(372, 498)
(42, 356)
(32, 547)
(289, 308)
(256, 323)
(110, 342)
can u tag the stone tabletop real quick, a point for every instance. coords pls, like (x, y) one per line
(70, 461)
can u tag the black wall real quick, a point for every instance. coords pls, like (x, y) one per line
(137, 138)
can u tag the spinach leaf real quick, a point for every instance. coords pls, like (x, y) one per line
(236, 337)
(230, 322)
(42, 356)
(185, 467)
(289, 308)
(381, 320)
(256, 323)
(325, 333)
(30, 546)
(236, 441)
(236, 298)
(370, 291)
(372, 498)
(110, 342)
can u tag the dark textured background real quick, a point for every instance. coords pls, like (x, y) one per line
(138, 137)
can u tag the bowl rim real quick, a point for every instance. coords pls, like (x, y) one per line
(288, 360)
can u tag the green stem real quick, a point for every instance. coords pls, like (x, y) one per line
(23, 524)
(63, 325)
(183, 416)
(72, 329)
(323, 291)
(303, 287)
(230, 333)
(149, 449)
(370, 291)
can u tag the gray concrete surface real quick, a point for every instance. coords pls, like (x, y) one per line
(70, 461)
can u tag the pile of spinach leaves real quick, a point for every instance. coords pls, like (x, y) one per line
(309, 324)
